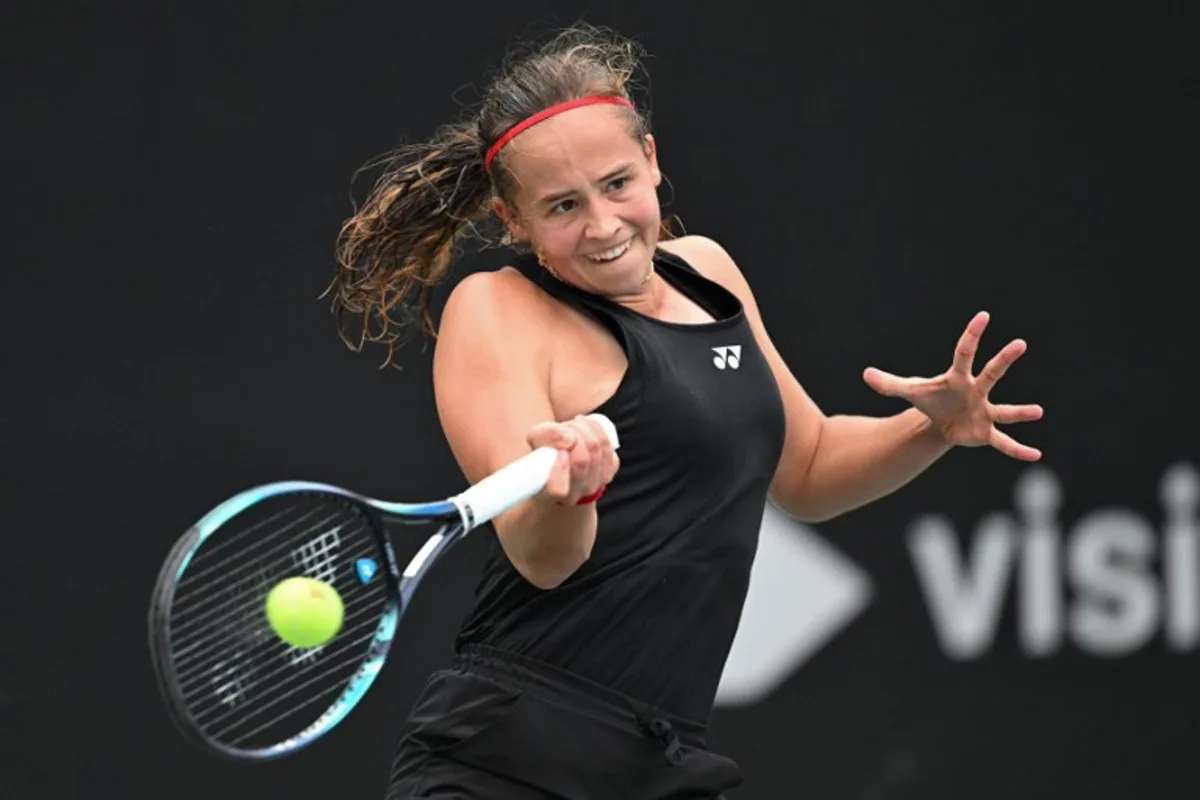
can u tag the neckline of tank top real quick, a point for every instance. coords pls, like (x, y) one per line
(684, 272)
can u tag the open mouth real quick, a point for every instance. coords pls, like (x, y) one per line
(611, 254)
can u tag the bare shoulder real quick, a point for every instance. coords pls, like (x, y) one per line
(711, 260)
(491, 344)
(493, 303)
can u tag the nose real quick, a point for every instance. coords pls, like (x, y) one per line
(602, 223)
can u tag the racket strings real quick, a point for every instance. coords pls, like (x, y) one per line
(241, 714)
(248, 622)
(272, 697)
(263, 644)
(249, 558)
(263, 576)
(239, 696)
(236, 678)
(335, 688)
(227, 540)
(292, 663)
(235, 688)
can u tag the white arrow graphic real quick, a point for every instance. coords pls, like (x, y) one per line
(802, 593)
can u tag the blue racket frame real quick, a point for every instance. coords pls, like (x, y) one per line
(401, 586)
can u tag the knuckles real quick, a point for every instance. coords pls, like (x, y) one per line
(589, 455)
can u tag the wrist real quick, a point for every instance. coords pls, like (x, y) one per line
(547, 505)
(925, 430)
(587, 499)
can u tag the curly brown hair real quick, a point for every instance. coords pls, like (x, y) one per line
(398, 245)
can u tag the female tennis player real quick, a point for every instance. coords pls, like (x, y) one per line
(590, 661)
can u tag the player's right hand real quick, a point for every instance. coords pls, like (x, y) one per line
(586, 461)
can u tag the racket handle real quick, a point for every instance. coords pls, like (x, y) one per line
(517, 482)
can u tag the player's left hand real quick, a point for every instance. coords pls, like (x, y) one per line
(957, 402)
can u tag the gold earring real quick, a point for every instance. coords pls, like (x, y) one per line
(537, 251)
(649, 275)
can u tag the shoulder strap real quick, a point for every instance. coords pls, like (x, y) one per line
(708, 294)
(662, 256)
(711, 296)
(600, 308)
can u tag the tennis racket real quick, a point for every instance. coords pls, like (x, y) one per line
(230, 683)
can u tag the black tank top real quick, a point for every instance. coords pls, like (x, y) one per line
(652, 613)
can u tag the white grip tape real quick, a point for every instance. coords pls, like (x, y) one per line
(517, 482)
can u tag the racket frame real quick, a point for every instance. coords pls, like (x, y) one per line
(401, 587)
(459, 515)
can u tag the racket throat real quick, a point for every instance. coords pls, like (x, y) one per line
(419, 562)
(466, 514)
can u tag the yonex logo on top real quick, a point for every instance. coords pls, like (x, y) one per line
(730, 356)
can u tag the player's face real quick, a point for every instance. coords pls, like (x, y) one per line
(586, 198)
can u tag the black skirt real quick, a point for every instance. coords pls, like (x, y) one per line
(501, 727)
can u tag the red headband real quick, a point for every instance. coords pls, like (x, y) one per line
(558, 108)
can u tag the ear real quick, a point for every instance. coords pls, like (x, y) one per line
(651, 150)
(510, 219)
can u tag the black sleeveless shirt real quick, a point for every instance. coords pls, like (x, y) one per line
(652, 613)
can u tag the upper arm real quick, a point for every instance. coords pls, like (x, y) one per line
(804, 417)
(490, 372)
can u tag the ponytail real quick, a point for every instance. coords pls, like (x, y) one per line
(394, 250)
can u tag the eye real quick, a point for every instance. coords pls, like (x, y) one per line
(562, 207)
(617, 184)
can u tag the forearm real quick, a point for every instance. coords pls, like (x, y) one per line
(546, 542)
(860, 459)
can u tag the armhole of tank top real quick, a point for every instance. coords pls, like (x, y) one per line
(603, 311)
(714, 298)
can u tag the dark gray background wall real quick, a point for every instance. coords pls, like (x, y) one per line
(880, 171)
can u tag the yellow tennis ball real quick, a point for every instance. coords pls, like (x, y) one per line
(304, 612)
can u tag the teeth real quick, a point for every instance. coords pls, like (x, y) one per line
(609, 255)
